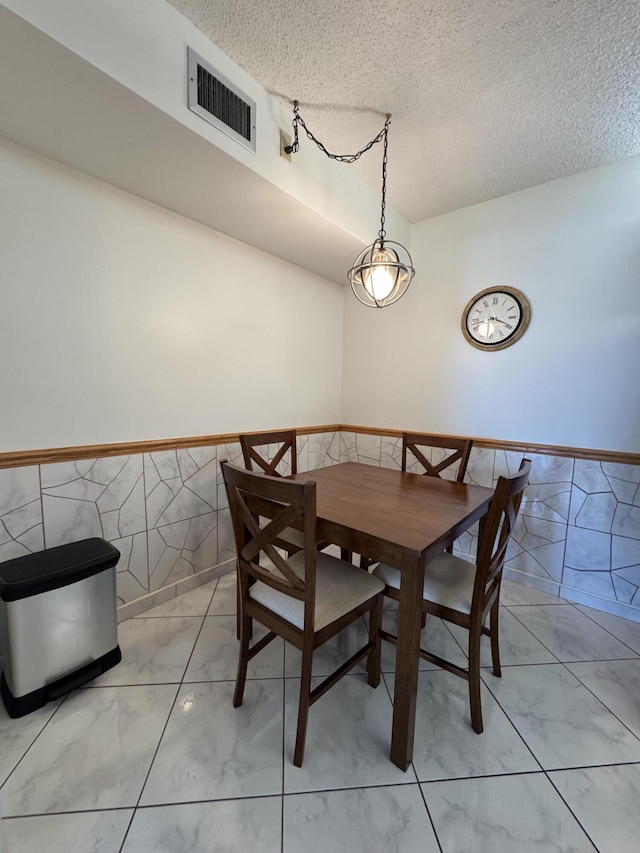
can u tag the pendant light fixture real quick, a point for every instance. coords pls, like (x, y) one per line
(381, 273)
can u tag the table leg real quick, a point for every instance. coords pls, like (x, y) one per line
(407, 662)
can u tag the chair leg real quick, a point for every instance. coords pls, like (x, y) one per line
(239, 614)
(243, 660)
(495, 642)
(238, 611)
(475, 636)
(373, 658)
(346, 555)
(239, 626)
(303, 703)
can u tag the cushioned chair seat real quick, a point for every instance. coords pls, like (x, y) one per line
(448, 581)
(340, 588)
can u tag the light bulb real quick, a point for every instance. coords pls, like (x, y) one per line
(380, 279)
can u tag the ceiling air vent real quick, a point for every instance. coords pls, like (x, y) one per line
(215, 99)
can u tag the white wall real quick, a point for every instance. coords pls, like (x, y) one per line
(143, 45)
(120, 321)
(573, 247)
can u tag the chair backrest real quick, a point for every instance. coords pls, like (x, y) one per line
(253, 496)
(286, 438)
(495, 531)
(461, 447)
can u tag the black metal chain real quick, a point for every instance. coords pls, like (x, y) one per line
(346, 158)
(382, 232)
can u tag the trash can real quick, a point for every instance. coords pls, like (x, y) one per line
(58, 622)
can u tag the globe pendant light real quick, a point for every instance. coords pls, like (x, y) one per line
(381, 273)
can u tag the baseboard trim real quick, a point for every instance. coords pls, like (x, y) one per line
(160, 596)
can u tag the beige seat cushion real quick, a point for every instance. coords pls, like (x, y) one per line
(448, 581)
(340, 587)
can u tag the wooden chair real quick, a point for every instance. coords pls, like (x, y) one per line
(307, 597)
(287, 452)
(411, 444)
(291, 540)
(463, 593)
(461, 447)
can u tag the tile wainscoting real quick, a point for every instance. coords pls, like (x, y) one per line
(578, 535)
(166, 512)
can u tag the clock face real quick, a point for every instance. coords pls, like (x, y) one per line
(495, 318)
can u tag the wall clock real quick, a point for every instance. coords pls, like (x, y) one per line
(495, 318)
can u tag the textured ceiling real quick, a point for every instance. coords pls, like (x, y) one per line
(488, 96)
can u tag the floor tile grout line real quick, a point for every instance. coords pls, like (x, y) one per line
(290, 794)
(192, 802)
(155, 753)
(595, 696)
(407, 784)
(516, 729)
(66, 697)
(128, 830)
(592, 766)
(633, 653)
(68, 812)
(488, 667)
(539, 772)
(240, 799)
(564, 665)
(486, 776)
(607, 630)
(433, 826)
(34, 741)
(583, 660)
(164, 729)
(526, 627)
(575, 817)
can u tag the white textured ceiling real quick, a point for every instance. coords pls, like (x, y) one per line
(488, 96)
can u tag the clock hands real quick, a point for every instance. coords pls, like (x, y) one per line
(490, 320)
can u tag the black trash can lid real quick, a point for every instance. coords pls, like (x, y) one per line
(32, 574)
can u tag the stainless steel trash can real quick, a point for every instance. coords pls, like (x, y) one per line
(58, 622)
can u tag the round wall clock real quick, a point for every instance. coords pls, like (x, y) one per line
(495, 318)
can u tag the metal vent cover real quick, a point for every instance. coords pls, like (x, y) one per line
(214, 98)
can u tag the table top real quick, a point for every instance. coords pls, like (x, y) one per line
(390, 512)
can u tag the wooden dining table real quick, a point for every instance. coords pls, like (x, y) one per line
(404, 520)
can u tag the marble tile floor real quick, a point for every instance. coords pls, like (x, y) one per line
(152, 755)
